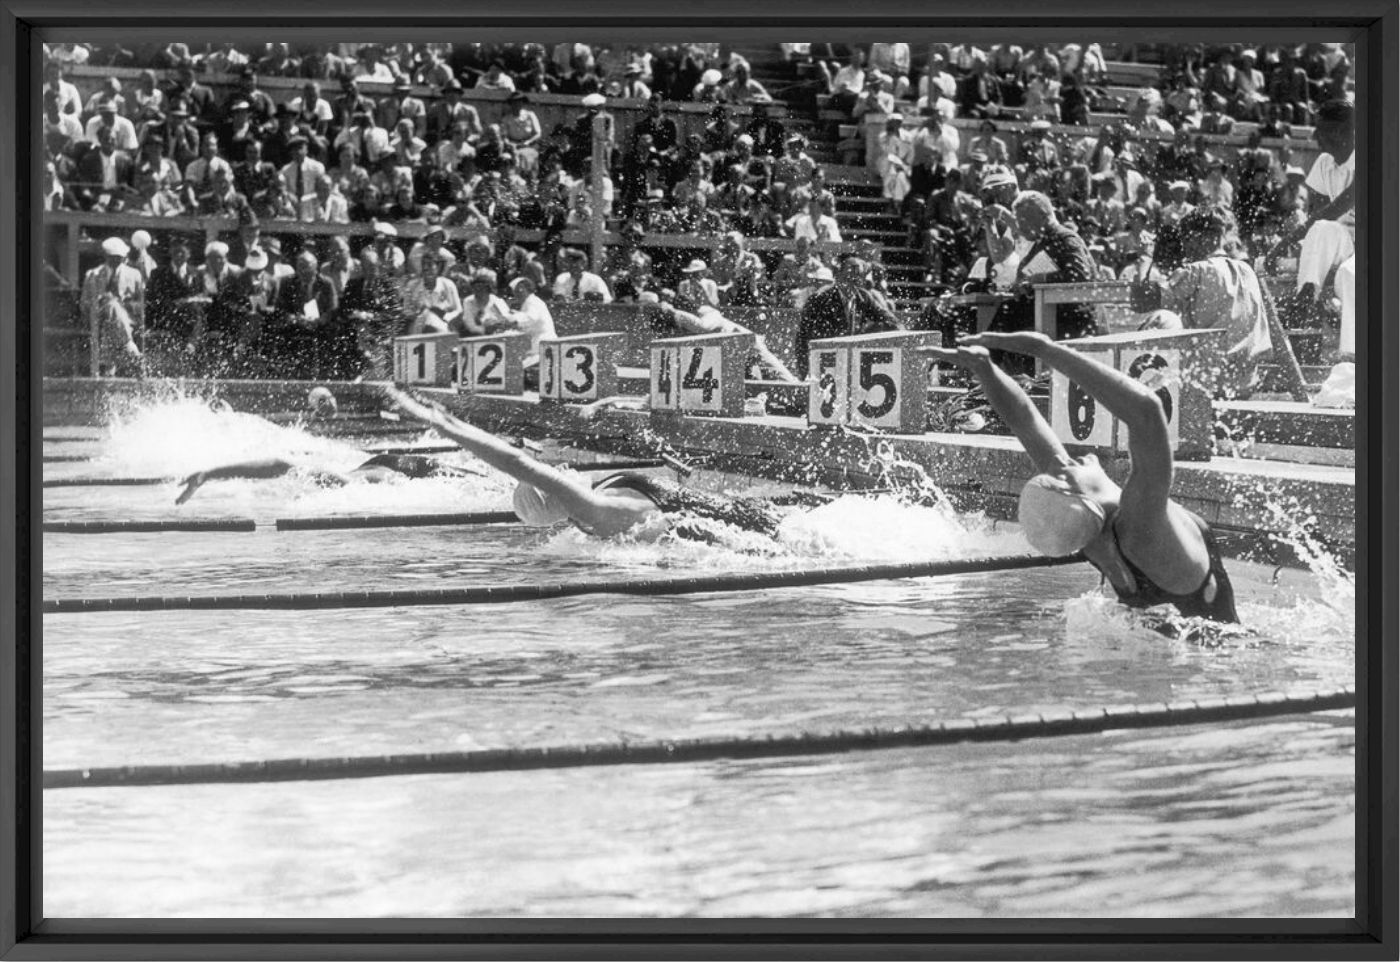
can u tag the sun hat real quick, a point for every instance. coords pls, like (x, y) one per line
(822, 273)
(141, 240)
(998, 177)
(536, 509)
(711, 77)
(115, 247)
(385, 230)
(695, 267)
(216, 247)
(256, 260)
(594, 100)
(1055, 520)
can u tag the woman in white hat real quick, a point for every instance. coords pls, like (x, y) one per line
(696, 289)
(113, 300)
(1149, 548)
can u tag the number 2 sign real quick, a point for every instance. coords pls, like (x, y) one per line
(425, 360)
(492, 365)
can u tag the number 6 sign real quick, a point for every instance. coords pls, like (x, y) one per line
(578, 369)
(425, 360)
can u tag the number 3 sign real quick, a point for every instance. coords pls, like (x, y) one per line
(578, 369)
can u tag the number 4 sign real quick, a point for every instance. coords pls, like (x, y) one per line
(700, 375)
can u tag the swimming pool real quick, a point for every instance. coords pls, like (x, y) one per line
(1244, 819)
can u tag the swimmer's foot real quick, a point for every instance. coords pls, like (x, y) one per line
(192, 484)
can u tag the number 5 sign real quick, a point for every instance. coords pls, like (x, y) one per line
(870, 381)
(578, 369)
(700, 375)
(494, 364)
(425, 359)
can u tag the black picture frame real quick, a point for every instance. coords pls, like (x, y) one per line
(25, 934)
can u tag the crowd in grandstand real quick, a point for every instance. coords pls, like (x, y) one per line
(1108, 199)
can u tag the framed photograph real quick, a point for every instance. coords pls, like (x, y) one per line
(610, 482)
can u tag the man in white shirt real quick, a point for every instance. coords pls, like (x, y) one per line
(329, 207)
(299, 178)
(1330, 241)
(577, 283)
(123, 132)
(531, 316)
(370, 142)
(815, 225)
(69, 100)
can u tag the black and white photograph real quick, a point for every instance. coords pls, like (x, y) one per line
(666, 479)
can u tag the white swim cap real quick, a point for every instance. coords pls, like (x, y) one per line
(535, 508)
(1056, 520)
(322, 402)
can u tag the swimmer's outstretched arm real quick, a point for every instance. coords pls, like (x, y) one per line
(1011, 403)
(269, 468)
(600, 514)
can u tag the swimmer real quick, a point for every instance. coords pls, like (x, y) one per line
(379, 468)
(1149, 548)
(623, 503)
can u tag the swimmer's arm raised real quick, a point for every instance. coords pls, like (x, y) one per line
(1011, 403)
(604, 515)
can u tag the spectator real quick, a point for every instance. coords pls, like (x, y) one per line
(978, 94)
(743, 89)
(894, 159)
(253, 176)
(197, 98)
(521, 131)
(1041, 99)
(696, 289)
(814, 224)
(632, 87)
(103, 174)
(577, 283)
(113, 302)
(303, 315)
(69, 100)
(222, 315)
(1289, 90)
(279, 62)
(276, 204)
(846, 308)
(169, 320)
(1038, 154)
(222, 199)
(893, 60)
(181, 138)
(371, 143)
(370, 308)
(482, 311)
(531, 316)
(123, 131)
(227, 59)
(433, 246)
(312, 112)
(794, 168)
(937, 83)
(299, 177)
(1216, 290)
(393, 111)
(260, 105)
(61, 130)
(986, 141)
(370, 67)
(109, 92)
(392, 259)
(1106, 209)
(431, 301)
(328, 206)
(874, 99)
(1214, 189)
(495, 78)
(848, 83)
(661, 129)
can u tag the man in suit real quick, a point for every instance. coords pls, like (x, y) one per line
(198, 99)
(303, 315)
(113, 302)
(846, 308)
(104, 174)
(169, 318)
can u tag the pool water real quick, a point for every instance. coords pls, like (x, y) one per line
(1246, 819)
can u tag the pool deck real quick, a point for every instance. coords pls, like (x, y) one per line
(1247, 498)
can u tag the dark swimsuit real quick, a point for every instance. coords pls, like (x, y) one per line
(750, 514)
(410, 465)
(1214, 600)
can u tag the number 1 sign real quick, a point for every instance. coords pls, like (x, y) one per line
(425, 360)
(578, 369)
(700, 375)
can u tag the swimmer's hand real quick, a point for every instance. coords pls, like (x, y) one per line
(428, 413)
(970, 358)
(192, 484)
(1017, 342)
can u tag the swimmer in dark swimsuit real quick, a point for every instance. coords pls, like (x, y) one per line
(380, 467)
(627, 502)
(1149, 548)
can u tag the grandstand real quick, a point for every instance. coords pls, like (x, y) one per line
(529, 213)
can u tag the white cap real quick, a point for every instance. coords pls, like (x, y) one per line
(216, 247)
(388, 230)
(115, 247)
(257, 259)
(695, 267)
(140, 240)
(536, 509)
(594, 100)
(711, 77)
(1056, 520)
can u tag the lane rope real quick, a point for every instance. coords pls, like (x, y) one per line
(150, 527)
(1008, 729)
(90, 482)
(394, 521)
(504, 594)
